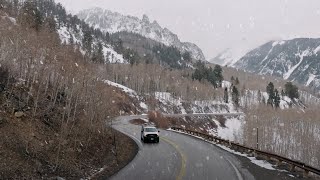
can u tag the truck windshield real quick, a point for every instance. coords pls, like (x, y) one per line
(150, 129)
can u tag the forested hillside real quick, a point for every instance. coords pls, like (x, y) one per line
(53, 107)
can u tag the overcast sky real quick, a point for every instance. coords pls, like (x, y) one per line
(215, 25)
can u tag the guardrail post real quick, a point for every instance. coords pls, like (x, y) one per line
(208, 137)
(267, 158)
(255, 154)
(278, 162)
(240, 149)
(235, 147)
(291, 167)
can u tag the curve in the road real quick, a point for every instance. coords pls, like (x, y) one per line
(183, 158)
(152, 161)
(178, 156)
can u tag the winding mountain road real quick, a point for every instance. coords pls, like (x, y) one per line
(179, 156)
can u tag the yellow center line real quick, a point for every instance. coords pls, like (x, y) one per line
(183, 158)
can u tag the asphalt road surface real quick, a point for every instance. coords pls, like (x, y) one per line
(179, 156)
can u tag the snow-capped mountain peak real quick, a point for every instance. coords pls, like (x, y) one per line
(112, 22)
(145, 19)
(294, 60)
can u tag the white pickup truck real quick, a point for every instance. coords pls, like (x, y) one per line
(149, 133)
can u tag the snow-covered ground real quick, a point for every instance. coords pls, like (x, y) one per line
(232, 130)
(251, 98)
(292, 69)
(168, 100)
(131, 93)
(125, 89)
(110, 55)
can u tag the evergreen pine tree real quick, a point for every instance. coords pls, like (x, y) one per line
(71, 40)
(282, 93)
(270, 91)
(291, 90)
(232, 79)
(107, 37)
(226, 95)
(218, 75)
(276, 98)
(237, 81)
(87, 41)
(98, 56)
(235, 95)
(186, 56)
(211, 77)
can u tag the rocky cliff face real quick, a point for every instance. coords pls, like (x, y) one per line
(112, 22)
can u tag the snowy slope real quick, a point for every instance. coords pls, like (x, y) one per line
(112, 22)
(294, 60)
(229, 56)
(233, 127)
(133, 94)
(109, 53)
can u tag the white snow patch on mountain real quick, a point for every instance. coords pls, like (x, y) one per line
(144, 106)
(109, 53)
(64, 34)
(284, 102)
(291, 70)
(278, 43)
(125, 89)
(311, 78)
(132, 93)
(316, 50)
(226, 84)
(112, 55)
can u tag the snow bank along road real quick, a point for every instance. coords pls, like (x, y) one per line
(178, 156)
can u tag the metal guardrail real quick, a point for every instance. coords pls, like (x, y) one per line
(203, 114)
(255, 152)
